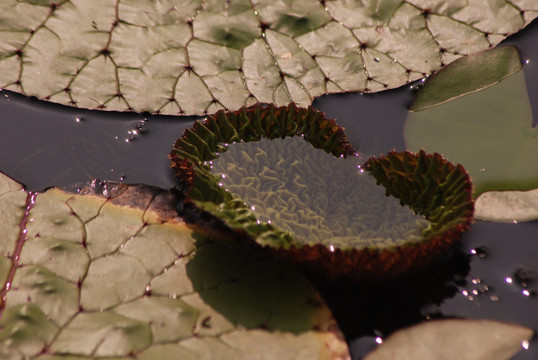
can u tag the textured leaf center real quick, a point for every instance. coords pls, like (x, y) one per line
(316, 196)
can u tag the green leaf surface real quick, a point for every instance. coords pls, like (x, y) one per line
(467, 75)
(489, 132)
(454, 339)
(88, 276)
(193, 56)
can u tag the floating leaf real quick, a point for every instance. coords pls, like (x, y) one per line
(191, 57)
(468, 75)
(121, 276)
(454, 339)
(256, 170)
(489, 131)
(507, 206)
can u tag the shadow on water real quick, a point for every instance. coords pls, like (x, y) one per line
(378, 308)
(44, 144)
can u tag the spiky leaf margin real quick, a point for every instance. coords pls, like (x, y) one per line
(429, 184)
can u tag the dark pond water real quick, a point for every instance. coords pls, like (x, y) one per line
(492, 275)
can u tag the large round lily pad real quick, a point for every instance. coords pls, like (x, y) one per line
(289, 179)
(122, 276)
(193, 56)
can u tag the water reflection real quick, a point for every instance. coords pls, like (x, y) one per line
(44, 145)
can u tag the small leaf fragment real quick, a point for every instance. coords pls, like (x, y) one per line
(507, 206)
(454, 339)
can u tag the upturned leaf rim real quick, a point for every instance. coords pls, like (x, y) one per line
(428, 183)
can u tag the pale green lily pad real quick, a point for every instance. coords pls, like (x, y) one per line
(191, 57)
(489, 132)
(454, 339)
(123, 276)
(471, 74)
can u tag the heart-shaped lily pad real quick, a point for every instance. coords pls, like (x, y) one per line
(289, 179)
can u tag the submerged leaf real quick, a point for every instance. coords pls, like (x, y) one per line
(191, 57)
(454, 339)
(489, 131)
(288, 178)
(122, 276)
(469, 74)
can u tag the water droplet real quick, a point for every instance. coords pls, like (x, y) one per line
(525, 344)
(526, 292)
(122, 177)
(331, 248)
(78, 119)
(479, 251)
(526, 61)
(508, 280)
(376, 60)
(378, 340)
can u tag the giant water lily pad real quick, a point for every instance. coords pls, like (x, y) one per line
(485, 123)
(191, 57)
(113, 272)
(288, 178)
